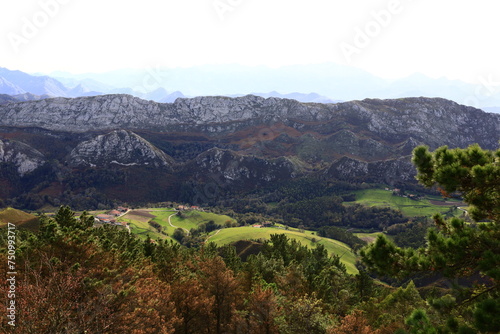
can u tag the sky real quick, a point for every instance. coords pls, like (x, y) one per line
(457, 39)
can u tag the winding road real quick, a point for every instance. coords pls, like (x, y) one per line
(170, 223)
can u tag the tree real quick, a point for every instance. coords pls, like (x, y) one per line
(472, 171)
(220, 283)
(454, 248)
(150, 309)
(354, 323)
(262, 309)
(193, 305)
(211, 226)
(419, 323)
(179, 234)
(303, 315)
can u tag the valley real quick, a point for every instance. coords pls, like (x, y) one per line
(285, 203)
(250, 167)
(308, 168)
(161, 223)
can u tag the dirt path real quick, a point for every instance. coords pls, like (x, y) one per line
(465, 211)
(213, 235)
(170, 223)
(126, 225)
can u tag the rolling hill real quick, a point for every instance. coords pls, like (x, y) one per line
(20, 218)
(306, 238)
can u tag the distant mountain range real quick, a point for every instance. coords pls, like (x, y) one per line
(6, 98)
(17, 82)
(319, 83)
(26, 87)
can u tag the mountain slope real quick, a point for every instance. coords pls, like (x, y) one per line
(121, 147)
(25, 158)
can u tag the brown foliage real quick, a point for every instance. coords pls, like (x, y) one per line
(260, 313)
(149, 309)
(354, 323)
(99, 294)
(193, 305)
(220, 283)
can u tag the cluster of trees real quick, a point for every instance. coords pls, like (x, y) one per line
(304, 189)
(412, 233)
(196, 236)
(85, 178)
(329, 211)
(341, 234)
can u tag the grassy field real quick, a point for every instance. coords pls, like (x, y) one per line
(230, 235)
(140, 226)
(194, 218)
(139, 221)
(19, 218)
(409, 207)
(368, 237)
(162, 219)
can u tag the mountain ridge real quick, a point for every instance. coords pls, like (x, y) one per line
(119, 147)
(425, 119)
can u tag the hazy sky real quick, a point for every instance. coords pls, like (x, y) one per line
(391, 38)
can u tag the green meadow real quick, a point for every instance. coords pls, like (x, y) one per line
(306, 238)
(409, 207)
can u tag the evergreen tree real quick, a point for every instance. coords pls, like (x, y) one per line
(454, 248)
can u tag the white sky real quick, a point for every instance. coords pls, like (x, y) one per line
(453, 38)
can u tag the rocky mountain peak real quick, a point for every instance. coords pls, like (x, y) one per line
(119, 147)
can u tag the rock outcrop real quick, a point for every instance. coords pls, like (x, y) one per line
(242, 143)
(25, 158)
(230, 168)
(120, 147)
(384, 171)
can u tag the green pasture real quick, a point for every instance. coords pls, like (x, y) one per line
(230, 235)
(409, 207)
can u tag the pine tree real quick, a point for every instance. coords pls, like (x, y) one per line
(455, 248)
